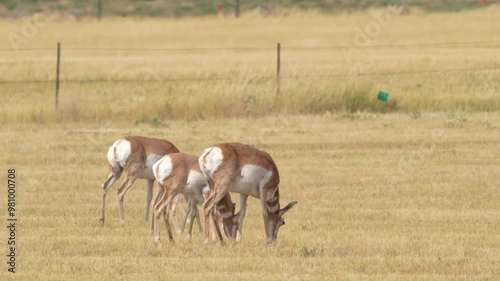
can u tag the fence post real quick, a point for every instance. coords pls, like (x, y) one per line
(99, 10)
(237, 8)
(57, 72)
(278, 69)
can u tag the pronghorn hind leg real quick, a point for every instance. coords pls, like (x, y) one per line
(157, 200)
(110, 180)
(216, 224)
(167, 223)
(158, 210)
(217, 199)
(173, 209)
(207, 210)
(121, 194)
(170, 194)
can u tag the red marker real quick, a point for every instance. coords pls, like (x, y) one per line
(484, 1)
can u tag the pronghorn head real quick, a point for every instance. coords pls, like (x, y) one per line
(275, 221)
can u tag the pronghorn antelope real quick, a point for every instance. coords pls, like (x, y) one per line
(245, 170)
(135, 155)
(180, 173)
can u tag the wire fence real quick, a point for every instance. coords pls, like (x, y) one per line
(195, 79)
(492, 43)
(338, 48)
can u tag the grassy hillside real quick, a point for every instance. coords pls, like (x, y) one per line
(171, 8)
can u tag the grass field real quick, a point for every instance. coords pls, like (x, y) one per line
(381, 197)
(314, 80)
(408, 191)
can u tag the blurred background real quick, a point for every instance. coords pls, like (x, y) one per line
(173, 8)
(153, 60)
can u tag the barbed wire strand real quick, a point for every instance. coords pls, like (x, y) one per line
(257, 49)
(187, 79)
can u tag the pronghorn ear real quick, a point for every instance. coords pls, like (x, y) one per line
(287, 208)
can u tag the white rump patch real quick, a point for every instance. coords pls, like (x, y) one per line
(211, 159)
(162, 169)
(120, 156)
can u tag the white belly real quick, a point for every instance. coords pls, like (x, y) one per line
(251, 180)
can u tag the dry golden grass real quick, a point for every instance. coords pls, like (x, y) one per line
(381, 197)
(246, 94)
(411, 195)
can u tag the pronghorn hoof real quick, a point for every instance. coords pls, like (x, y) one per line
(101, 221)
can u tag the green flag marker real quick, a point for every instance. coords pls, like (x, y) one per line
(383, 96)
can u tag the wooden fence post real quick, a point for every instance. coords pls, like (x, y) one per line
(57, 72)
(99, 10)
(278, 66)
(237, 8)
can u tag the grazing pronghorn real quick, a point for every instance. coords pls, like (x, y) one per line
(135, 155)
(245, 170)
(180, 173)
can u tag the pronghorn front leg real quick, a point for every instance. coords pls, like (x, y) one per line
(263, 204)
(243, 209)
(112, 178)
(149, 197)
